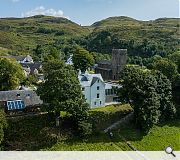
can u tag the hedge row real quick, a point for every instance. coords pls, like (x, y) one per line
(103, 117)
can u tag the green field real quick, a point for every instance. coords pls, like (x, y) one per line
(158, 138)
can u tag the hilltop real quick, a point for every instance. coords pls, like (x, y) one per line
(162, 33)
(22, 35)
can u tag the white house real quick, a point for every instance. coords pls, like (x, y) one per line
(93, 87)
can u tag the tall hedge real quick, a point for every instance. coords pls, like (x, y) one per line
(3, 124)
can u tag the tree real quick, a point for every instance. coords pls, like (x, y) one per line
(3, 124)
(139, 90)
(164, 90)
(11, 74)
(82, 59)
(149, 93)
(175, 57)
(168, 68)
(62, 92)
(39, 51)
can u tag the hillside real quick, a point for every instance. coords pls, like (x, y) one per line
(23, 34)
(161, 34)
(144, 38)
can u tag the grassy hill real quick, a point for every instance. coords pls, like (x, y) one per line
(125, 32)
(23, 34)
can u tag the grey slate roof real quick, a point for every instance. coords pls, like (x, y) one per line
(94, 80)
(104, 62)
(29, 97)
(32, 66)
(89, 79)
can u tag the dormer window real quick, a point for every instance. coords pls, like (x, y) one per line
(28, 95)
(18, 95)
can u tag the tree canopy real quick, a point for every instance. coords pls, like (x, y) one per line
(149, 94)
(82, 59)
(167, 67)
(11, 74)
(62, 91)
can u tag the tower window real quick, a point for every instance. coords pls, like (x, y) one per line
(97, 87)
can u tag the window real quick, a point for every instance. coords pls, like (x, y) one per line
(98, 87)
(83, 88)
(18, 95)
(100, 102)
(13, 105)
(28, 95)
(98, 80)
(95, 103)
(98, 95)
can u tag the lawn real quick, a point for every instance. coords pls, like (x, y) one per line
(158, 138)
(99, 142)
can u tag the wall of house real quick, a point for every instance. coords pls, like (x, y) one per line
(98, 102)
(87, 94)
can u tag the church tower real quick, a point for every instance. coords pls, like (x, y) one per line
(119, 60)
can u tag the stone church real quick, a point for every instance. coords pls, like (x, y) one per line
(110, 70)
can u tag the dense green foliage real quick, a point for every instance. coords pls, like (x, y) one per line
(39, 133)
(168, 68)
(82, 59)
(141, 38)
(30, 133)
(105, 116)
(22, 35)
(3, 124)
(62, 92)
(11, 74)
(149, 94)
(175, 57)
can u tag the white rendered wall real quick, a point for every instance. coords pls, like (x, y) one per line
(94, 93)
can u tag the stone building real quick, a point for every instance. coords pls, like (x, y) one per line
(110, 70)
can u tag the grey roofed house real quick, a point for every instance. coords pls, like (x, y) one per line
(32, 66)
(29, 97)
(21, 59)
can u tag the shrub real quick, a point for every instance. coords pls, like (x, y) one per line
(3, 124)
(103, 117)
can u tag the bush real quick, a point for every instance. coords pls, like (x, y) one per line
(3, 125)
(84, 128)
(103, 117)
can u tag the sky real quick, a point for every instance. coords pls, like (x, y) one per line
(86, 12)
